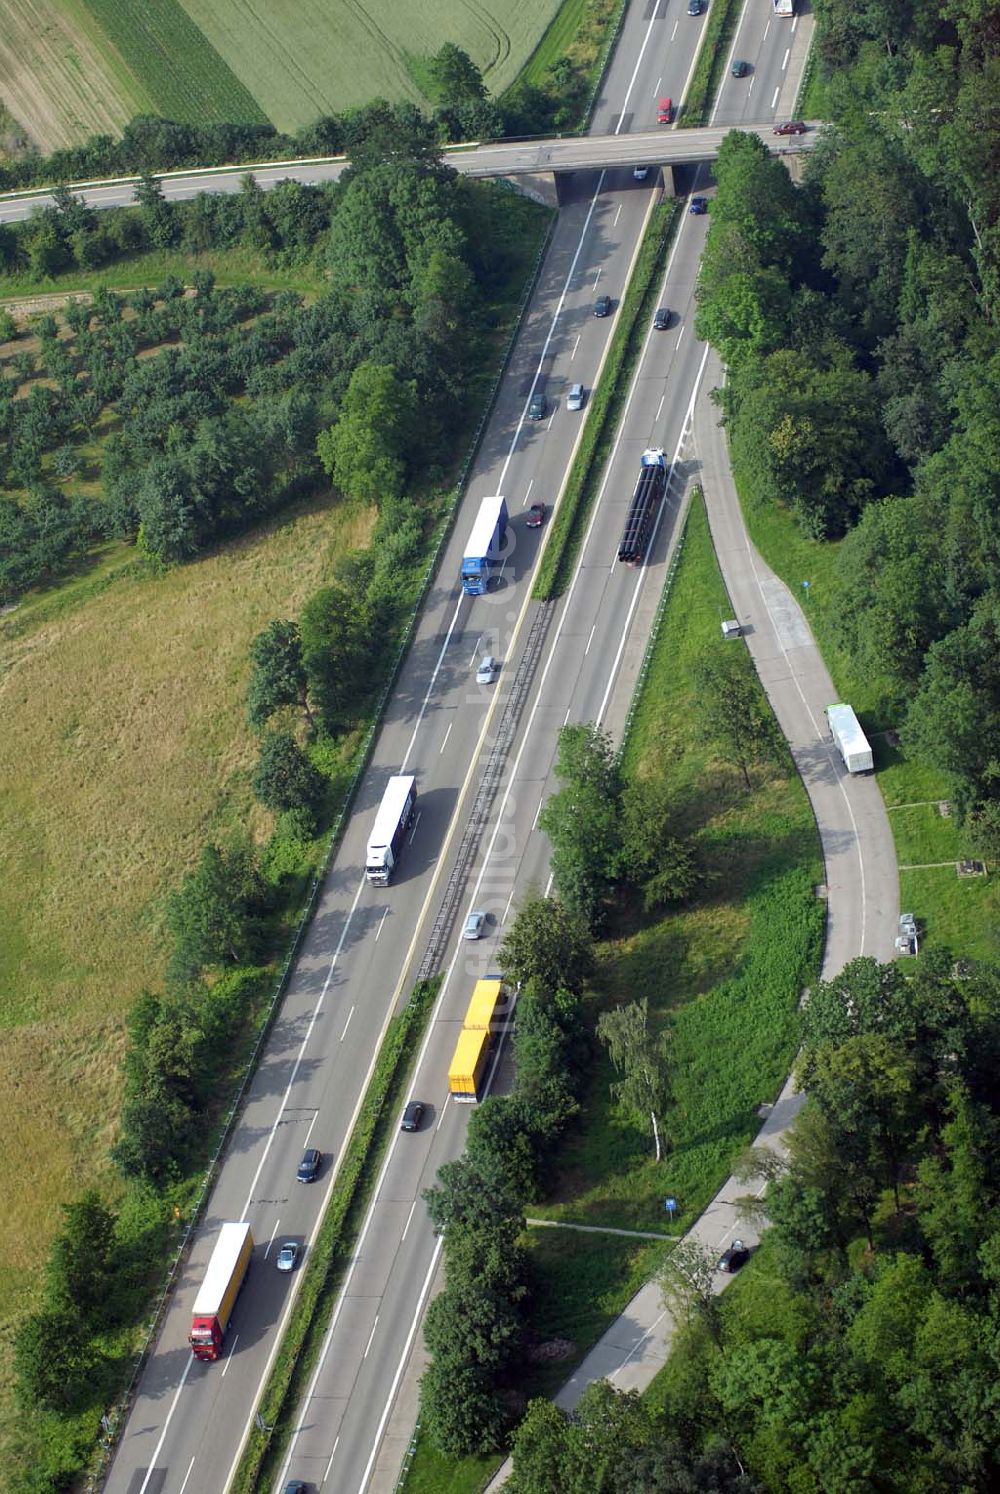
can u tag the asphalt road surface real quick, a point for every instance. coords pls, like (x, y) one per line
(365, 943)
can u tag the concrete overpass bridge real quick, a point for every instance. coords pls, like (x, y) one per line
(543, 160)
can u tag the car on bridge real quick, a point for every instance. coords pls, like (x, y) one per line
(793, 127)
(665, 111)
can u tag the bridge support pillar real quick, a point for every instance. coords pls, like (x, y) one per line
(540, 186)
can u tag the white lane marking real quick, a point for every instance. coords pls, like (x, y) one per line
(370, 1337)
(187, 1476)
(270, 1242)
(795, 22)
(750, 89)
(445, 742)
(678, 342)
(652, 539)
(409, 1217)
(617, 216)
(766, 30)
(301, 1053)
(659, 85)
(787, 55)
(311, 1124)
(447, 1097)
(774, 101)
(507, 909)
(548, 885)
(674, 32)
(635, 71)
(413, 832)
(332, 1456)
(411, 1335)
(566, 717)
(659, 408)
(475, 651)
(590, 640)
(381, 921)
(575, 346)
(597, 276)
(347, 1024)
(229, 1356)
(531, 484)
(538, 810)
(433, 681)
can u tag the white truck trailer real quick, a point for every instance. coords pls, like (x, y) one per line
(851, 741)
(386, 839)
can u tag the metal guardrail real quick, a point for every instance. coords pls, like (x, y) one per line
(488, 784)
(115, 1418)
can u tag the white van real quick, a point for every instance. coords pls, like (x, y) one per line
(574, 400)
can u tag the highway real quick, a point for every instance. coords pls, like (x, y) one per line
(650, 147)
(365, 944)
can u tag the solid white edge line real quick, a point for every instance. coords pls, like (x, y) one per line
(163, 1435)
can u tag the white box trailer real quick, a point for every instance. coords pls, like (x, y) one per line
(389, 828)
(850, 739)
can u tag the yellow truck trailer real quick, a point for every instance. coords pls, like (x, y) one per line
(468, 1067)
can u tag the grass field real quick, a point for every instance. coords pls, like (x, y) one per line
(229, 266)
(125, 746)
(61, 76)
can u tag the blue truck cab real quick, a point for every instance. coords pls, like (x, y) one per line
(484, 546)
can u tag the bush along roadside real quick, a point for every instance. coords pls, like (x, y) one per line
(606, 404)
(338, 1231)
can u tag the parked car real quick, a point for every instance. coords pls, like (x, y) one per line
(487, 671)
(475, 926)
(736, 1256)
(309, 1166)
(665, 112)
(602, 306)
(640, 173)
(661, 321)
(287, 1256)
(412, 1116)
(793, 127)
(537, 406)
(536, 513)
(740, 68)
(575, 398)
(698, 206)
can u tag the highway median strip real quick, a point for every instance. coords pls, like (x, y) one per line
(329, 1254)
(606, 403)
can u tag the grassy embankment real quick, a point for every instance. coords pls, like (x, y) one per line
(962, 913)
(722, 975)
(229, 266)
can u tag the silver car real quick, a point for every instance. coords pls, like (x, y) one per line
(574, 400)
(487, 671)
(474, 926)
(287, 1256)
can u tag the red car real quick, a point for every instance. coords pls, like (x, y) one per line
(793, 127)
(536, 516)
(665, 112)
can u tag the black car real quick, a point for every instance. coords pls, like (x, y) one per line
(661, 320)
(698, 206)
(413, 1115)
(309, 1166)
(537, 406)
(694, 7)
(740, 68)
(602, 306)
(295, 1486)
(732, 1259)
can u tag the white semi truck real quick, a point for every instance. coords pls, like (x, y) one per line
(386, 839)
(850, 739)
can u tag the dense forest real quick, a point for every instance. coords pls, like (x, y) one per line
(857, 315)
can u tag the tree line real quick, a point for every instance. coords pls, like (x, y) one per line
(249, 400)
(857, 315)
(860, 1351)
